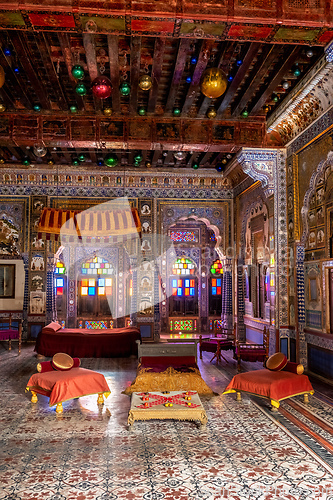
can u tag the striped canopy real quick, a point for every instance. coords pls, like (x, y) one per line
(89, 225)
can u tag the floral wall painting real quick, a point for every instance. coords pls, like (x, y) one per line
(37, 282)
(37, 263)
(37, 302)
(9, 237)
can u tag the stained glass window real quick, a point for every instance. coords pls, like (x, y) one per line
(97, 265)
(183, 267)
(216, 267)
(183, 287)
(183, 325)
(59, 281)
(183, 236)
(96, 286)
(216, 286)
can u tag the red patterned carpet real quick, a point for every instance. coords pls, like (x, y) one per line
(244, 452)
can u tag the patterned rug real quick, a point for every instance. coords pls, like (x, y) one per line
(244, 452)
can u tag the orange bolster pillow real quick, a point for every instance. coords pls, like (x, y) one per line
(46, 366)
(294, 368)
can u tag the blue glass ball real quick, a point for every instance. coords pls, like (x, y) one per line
(16, 70)
(194, 60)
(188, 79)
(7, 51)
(219, 168)
(230, 78)
(239, 62)
(100, 163)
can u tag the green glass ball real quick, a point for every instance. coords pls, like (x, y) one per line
(73, 109)
(245, 113)
(37, 107)
(297, 72)
(142, 111)
(26, 162)
(82, 157)
(195, 166)
(81, 89)
(78, 72)
(138, 158)
(111, 160)
(125, 89)
(176, 112)
(275, 98)
(75, 162)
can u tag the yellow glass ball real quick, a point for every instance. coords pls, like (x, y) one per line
(211, 113)
(2, 108)
(148, 164)
(213, 83)
(107, 111)
(145, 82)
(2, 161)
(2, 76)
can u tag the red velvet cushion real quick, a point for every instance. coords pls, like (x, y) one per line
(167, 360)
(46, 366)
(52, 327)
(294, 368)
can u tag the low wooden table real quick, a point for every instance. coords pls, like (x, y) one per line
(178, 405)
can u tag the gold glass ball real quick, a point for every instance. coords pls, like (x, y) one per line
(213, 82)
(148, 164)
(107, 111)
(211, 113)
(2, 161)
(145, 82)
(2, 108)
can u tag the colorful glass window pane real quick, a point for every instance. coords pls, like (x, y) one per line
(91, 291)
(101, 290)
(96, 265)
(183, 267)
(179, 292)
(84, 290)
(216, 267)
(183, 236)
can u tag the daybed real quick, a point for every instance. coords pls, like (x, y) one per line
(84, 343)
(168, 367)
(62, 379)
(275, 385)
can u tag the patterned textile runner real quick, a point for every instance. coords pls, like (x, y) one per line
(184, 405)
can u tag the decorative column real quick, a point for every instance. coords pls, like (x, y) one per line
(240, 301)
(134, 301)
(25, 257)
(51, 313)
(301, 353)
(269, 167)
(227, 312)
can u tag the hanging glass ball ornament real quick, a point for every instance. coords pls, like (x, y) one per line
(266, 109)
(211, 113)
(230, 78)
(245, 113)
(224, 161)
(78, 72)
(125, 89)
(82, 157)
(26, 162)
(73, 109)
(2, 76)
(275, 98)
(50, 162)
(195, 166)
(111, 160)
(285, 85)
(81, 89)
(75, 162)
(37, 107)
(176, 112)
(2, 108)
(148, 164)
(142, 111)
(309, 53)
(7, 51)
(101, 87)
(179, 155)
(219, 168)
(2, 161)
(100, 162)
(39, 150)
(16, 70)
(239, 62)
(213, 82)
(138, 158)
(297, 71)
(188, 79)
(194, 60)
(145, 82)
(107, 111)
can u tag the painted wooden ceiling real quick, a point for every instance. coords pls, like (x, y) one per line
(264, 54)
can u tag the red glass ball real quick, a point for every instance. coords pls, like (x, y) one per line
(101, 87)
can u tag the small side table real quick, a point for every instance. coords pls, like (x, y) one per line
(178, 405)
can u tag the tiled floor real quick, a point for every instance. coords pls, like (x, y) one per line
(88, 453)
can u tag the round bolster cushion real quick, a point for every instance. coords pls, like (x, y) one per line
(294, 368)
(276, 362)
(47, 366)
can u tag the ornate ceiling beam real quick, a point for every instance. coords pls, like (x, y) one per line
(156, 73)
(68, 58)
(135, 72)
(114, 70)
(184, 47)
(90, 49)
(130, 133)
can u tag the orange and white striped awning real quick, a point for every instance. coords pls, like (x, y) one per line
(95, 225)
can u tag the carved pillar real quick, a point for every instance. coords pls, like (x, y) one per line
(25, 257)
(269, 166)
(134, 300)
(51, 312)
(227, 313)
(240, 301)
(301, 346)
